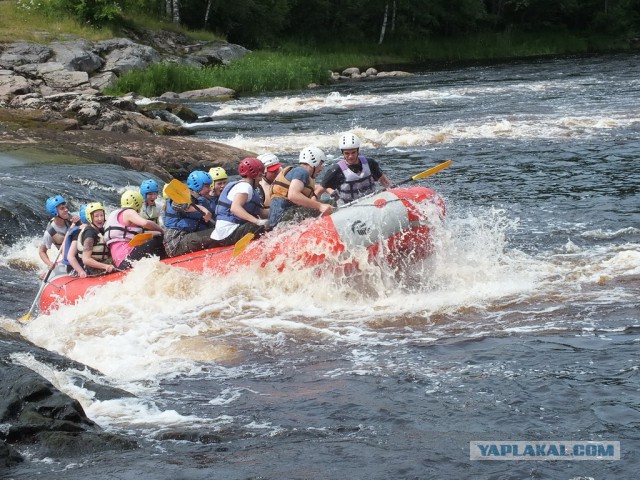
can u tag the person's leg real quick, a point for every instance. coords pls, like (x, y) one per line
(191, 242)
(148, 249)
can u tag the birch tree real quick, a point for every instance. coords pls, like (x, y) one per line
(384, 23)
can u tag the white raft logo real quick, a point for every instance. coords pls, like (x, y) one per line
(544, 450)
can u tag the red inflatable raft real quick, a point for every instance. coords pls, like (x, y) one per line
(391, 226)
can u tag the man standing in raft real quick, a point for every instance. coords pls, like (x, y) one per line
(354, 176)
(295, 186)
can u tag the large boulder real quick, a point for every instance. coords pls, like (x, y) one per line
(33, 412)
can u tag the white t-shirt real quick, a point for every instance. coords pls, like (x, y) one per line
(224, 228)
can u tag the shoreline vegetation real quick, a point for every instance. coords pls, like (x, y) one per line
(295, 65)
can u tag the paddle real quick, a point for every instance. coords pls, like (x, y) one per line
(29, 314)
(142, 238)
(242, 244)
(178, 192)
(425, 174)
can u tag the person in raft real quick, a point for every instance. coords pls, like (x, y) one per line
(56, 228)
(149, 190)
(92, 247)
(272, 167)
(354, 176)
(123, 224)
(220, 178)
(189, 225)
(71, 258)
(295, 186)
(239, 209)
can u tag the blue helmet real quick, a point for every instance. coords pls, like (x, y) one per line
(53, 203)
(198, 179)
(83, 214)
(149, 186)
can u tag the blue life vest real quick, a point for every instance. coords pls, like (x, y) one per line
(223, 210)
(67, 244)
(208, 203)
(185, 221)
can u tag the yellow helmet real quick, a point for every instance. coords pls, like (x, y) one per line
(91, 208)
(164, 191)
(218, 173)
(131, 199)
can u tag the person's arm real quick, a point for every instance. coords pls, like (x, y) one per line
(384, 180)
(43, 249)
(237, 208)
(89, 261)
(134, 217)
(73, 260)
(296, 196)
(44, 256)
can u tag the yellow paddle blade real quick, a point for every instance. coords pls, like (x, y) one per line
(432, 170)
(242, 244)
(140, 239)
(178, 192)
(25, 317)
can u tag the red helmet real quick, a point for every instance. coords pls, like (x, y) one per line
(250, 167)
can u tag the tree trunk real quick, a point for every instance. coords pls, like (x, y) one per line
(384, 23)
(393, 18)
(206, 14)
(176, 11)
(167, 9)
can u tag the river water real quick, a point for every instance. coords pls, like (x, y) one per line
(524, 325)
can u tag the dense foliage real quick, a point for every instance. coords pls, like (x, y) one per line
(263, 23)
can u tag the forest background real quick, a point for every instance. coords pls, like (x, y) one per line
(296, 42)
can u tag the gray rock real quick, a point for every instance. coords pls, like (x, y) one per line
(12, 84)
(22, 53)
(123, 55)
(394, 73)
(350, 72)
(103, 80)
(220, 53)
(207, 93)
(76, 55)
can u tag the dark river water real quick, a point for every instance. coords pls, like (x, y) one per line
(524, 325)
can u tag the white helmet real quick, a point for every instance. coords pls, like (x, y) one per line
(268, 159)
(349, 141)
(312, 156)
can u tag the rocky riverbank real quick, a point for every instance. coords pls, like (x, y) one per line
(51, 99)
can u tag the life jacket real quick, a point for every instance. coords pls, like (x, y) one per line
(149, 212)
(115, 231)
(356, 185)
(100, 251)
(57, 233)
(209, 203)
(67, 244)
(280, 187)
(223, 210)
(185, 221)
